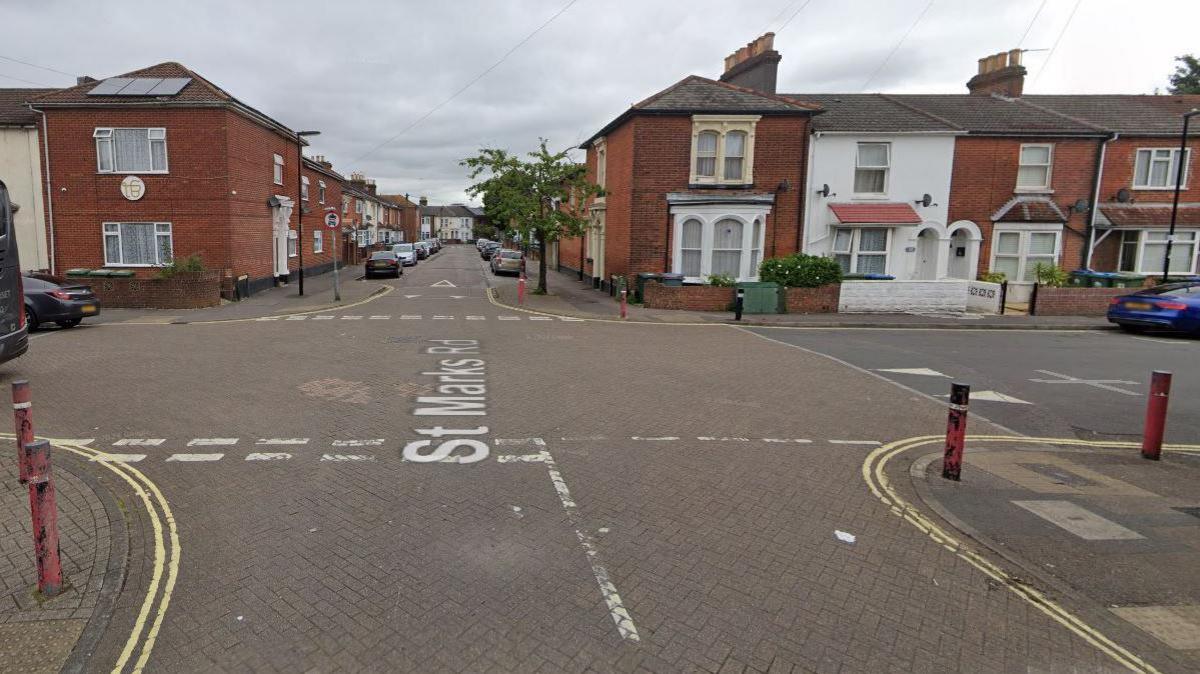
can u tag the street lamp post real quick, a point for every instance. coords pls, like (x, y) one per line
(1183, 138)
(300, 199)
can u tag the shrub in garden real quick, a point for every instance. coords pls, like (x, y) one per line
(721, 280)
(801, 271)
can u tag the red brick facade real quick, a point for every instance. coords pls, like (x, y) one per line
(183, 291)
(1075, 301)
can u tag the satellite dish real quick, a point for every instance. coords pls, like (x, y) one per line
(824, 191)
(1123, 195)
(926, 200)
(1081, 205)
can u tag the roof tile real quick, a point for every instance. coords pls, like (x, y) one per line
(881, 213)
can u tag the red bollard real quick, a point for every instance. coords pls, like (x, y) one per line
(521, 289)
(956, 431)
(624, 304)
(1156, 414)
(44, 509)
(23, 415)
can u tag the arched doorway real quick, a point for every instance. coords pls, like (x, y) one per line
(964, 250)
(927, 254)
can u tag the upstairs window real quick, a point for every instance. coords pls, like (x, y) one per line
(1156, 168)
(723, 149)
(131, 150)
(1034, 171)
(601, 165)
(871, 166)
(303, 188)
(278, 170)
(320, 191)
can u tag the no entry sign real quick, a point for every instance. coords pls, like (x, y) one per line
(332, 220)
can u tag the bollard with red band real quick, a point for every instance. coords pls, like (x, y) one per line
(956, 431)
(1156, 414)
(521, 289)
(624, 303)
(23, 415)
(44, 509)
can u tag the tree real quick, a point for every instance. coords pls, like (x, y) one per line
(1186, 79)
(532, 196)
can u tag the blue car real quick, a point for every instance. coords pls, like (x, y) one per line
(1172, 306)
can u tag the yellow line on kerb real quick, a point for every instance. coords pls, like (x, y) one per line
(877, 481)
(151, 497)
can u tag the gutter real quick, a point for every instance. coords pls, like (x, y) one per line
(1090, 231)
(45, 139)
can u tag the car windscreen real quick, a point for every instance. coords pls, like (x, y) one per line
(511, 254)
(404, 248)
(383, 255)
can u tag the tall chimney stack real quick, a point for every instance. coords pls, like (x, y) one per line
(755, 66)
(999, 74)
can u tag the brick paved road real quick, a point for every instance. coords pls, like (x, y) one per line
(721, 551)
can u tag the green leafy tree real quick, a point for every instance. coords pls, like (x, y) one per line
(532, 196)
(1186, 78)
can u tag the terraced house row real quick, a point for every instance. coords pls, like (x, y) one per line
(134, 171)
(710, 177)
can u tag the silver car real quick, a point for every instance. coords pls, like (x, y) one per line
(406, 252)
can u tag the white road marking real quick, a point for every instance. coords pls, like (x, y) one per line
(379, 318)
(296, 318)
(443, 318)
(358, 443)
(118, 458)
(351, 318)
(410, 317)
(443, 284)
(798, 440)
(568, 318)
(282, 441)
(509, 318)
(139, 442)
(475, 318)
(409, 297)
(707, 438)
(996, 397)
(268, 456)
(79, 441)
(323, 317)
(515, 458)
(211, 442)
(665, 437)
(873, 443)
(616, 608)
(1079, 521)
(195, 457)
(535, 442)
(267, 318)
(1159, 340)
(1098, 383)
(922, 371)
(347, 457)
(458, 297)
(583, 438)
(540, 318)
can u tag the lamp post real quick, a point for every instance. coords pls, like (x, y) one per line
(1183, 138)
(300, 198)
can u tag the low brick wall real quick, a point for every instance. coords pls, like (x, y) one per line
(1075, 301)
(689, 298)
(183, 291)
(823, 300)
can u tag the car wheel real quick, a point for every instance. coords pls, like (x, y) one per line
(69, 323)
(31, 319)
(1132, 329)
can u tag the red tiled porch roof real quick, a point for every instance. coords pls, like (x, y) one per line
(1144, 215)
(881, 213)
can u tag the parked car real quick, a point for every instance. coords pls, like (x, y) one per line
(63, 303)
(383, 262)
(434, 244)
(1172, 306)
(480, 243)
(406, 252)
(422, 250)
(486, 252)
(507, 262)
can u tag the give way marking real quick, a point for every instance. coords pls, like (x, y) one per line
(1098, 383)
(443, 284)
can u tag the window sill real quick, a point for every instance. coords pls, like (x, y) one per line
(720, 186)
(1033, 190)
(1158, 189)
(133, 173)
(133, 266)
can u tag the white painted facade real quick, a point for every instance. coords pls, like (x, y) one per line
(918, 164)
(22, 172)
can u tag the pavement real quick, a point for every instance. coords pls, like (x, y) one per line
(431, 480)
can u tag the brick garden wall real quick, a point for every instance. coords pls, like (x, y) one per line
(688, 298)
(184, 291)
(1075, 301)
(823, 300)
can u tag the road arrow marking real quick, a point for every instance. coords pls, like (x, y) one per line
(443, 284)
(993, 397)
(195, 457)
(923, 371)
(118, 458)
(409, 297)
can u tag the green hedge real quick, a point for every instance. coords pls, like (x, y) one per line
(801, 271)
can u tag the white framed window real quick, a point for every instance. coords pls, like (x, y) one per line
(1033, 172)
(708, 240)
(756, 243)
(1143, 251)
(1156, 168)
(320, 191)
(318, 241)
(345, 205)
(293, 243)
(303, 188)
(728, 239)
(861, 250)
(137, 244)
(601, 163)
(691, 248)
(358, 206)
(723, 149)
(1017, 252)
(277, 169)
(121, 150)
(872, 161)
(363, 237)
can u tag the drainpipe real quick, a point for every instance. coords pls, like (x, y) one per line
(49, 190)
(1090, 232)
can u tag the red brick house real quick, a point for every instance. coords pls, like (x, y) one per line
(702, 178)
(160, 163)
(408, 215)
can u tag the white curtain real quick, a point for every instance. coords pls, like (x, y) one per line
(735, 150)
(755, 247)
(727, 248)
(132, 150)
(690, 244)
(706, 154)
(137, 243)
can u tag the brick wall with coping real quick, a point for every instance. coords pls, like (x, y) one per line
(182, 291)
(1075, 301)
(688, 298)
(822, 300)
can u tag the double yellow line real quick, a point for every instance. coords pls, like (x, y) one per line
(875, 475)
(166, 554)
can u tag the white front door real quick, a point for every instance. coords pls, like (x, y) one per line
(927, 255)
(279, 234)
(960, 249)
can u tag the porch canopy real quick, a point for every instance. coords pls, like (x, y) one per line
(875, 213)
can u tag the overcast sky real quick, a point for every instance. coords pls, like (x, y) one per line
(363, 71)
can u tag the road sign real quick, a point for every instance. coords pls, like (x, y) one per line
(332, 220)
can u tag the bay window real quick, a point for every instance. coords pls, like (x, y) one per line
(709, 240)
(723, 149)
(1142, 251)
(691, 248)
(861, 250)
(1017, 252)
(137, 244)
(131, 150)
(1156, 168)
(727, 248)
(871, 168)
(1033, 172)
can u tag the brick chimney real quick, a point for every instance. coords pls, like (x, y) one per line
(370, 184)
(84, 79)
(999, 74)
(423, 202)
(755, 66)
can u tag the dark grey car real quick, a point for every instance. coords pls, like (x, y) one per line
(65, 304)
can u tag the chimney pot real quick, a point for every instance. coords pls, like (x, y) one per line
(754, 66)
(1000, 73)
(84, 79)
(1014, 57)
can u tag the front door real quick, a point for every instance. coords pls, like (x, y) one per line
(927, 255)
(280, 215)
(596, 247)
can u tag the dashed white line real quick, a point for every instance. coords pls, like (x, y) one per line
(874, 443)
(535, 442)
(351, 318)
(195, 457)
(508, 318)
(516, 458)
(798, 440)
(347, 457)
(282, 441)
(358, 443)
(118, 458)
(211, 442)
(568, 318)
(707, 438)
(139, 442)
(379, 318)
(296, 318)
(662, 438)
(410, 317)
(540, 318)
(475, 318)
(323, 317)
(443, 318)
(267, 318)
(268, 456)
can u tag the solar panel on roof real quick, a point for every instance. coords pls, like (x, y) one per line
(110, 86)
(170, 86)
(140, 86)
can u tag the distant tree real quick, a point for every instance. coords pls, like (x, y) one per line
(1186, 79)
(529, 196)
